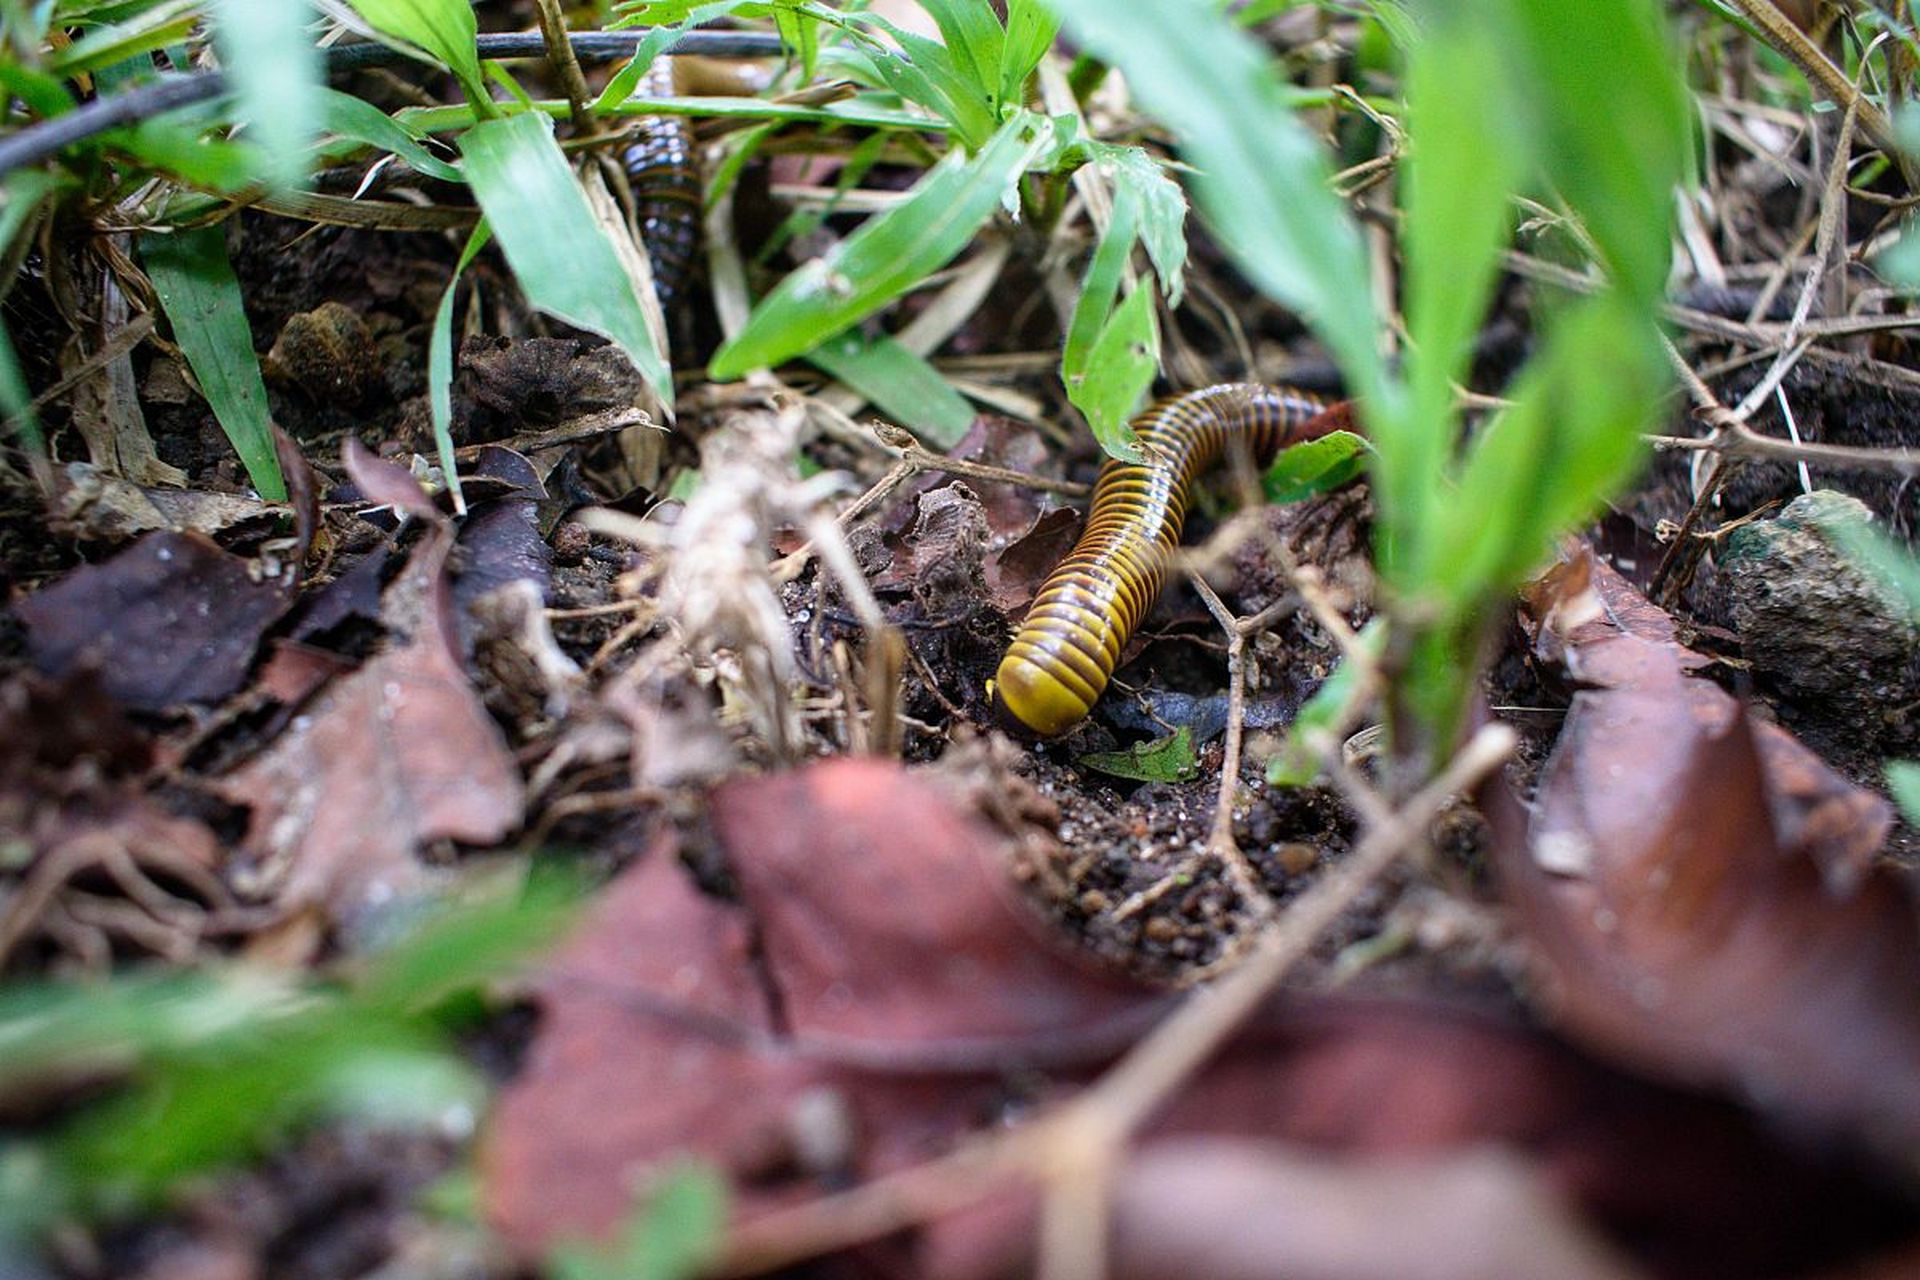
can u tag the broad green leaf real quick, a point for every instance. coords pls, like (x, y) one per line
(21, 194)
(43, 93)
(1163, 211)
(359, 120)
(1610, 113)
(1459, 184)
(141, 32)
(1296, 764)
(888, 255)
(444, 31)
(177, 144)
(1261, 178)
(1569, 441)
(973, 35)
(273, 67)
(558, 251)
(1314, 467)
(1094, 307)
(440, 367)
(675, 1233)
(196, 286)
(1119, 371)
(956, 93)
(910, 390)
(1903, 780)
(16, 399)
(1031, 28)
(1168, 759)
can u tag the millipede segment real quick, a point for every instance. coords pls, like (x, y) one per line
(1079, 625)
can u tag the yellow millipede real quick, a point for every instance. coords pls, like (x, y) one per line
(1065, 653)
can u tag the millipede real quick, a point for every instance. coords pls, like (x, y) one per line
(665, 178)
(1073, 636)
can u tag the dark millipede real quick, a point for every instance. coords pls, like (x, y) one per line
(1081, 621)
(666, 189)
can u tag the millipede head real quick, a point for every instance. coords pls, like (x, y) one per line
(1031, 702)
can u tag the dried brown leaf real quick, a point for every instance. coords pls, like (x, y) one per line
(1699, 885)
(173, 619)
(398, 754)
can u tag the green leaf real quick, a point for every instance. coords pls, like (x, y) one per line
(142, 32)
(273, 67)
(675, 1234)
(440, 367)
(559, 252)
(1903, 779)
(888, 255)
(626, 81)
(975, 38)
(931, 74)
(1120, 370)
(1094, 308)
(1261, 178)
(1459, 184)
(16, 398)
(1163, 210)
(442, 31)
(179, 145)
(1168, 759)
(1314, 467)
(903, 384)
(1031, 28)
(198, 291)
(1610, 114)
(357, 119)
(1297, 763)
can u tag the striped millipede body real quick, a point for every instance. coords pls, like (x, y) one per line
(665, 178)
(1088, 609)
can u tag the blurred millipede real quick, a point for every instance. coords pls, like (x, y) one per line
(1084, 615)
(666, 189)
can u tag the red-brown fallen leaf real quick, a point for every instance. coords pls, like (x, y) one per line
(399, 753)
(892, 983)
(173, 619)
(1698, 885)
(855, 1012)
(891, 925)
(652, 1043)
(1016, 572)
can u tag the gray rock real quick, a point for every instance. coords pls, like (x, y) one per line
(1823, 631)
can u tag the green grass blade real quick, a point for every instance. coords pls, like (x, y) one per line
(1163, 211)
(197, 290)
(443, 30)
(1125, 358)
(903, 384)
(1460, 181)
(273, 66)
(142, 32)
(975, 38)
(559, 252)
(1098, 291)
(353, 118)
(16, 398)
(440, 367)
(887, 256)
(1262, 178)
(1031, 28)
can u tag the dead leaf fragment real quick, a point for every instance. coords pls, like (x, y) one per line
(395, 755)
(173, 619)
(1700, 889)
